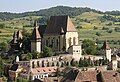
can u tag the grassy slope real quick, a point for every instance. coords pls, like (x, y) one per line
(86, 32)
(15, 24)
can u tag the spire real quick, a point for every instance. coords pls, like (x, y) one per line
(14, 37)
(35, 34)
(19, 35)
(105, 45)
(36, 23)
(70, 25)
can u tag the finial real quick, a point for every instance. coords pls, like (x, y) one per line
(36, 23)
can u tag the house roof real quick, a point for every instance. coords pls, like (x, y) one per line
(14, 67)
(43, 70)
(60, 25)
(42, 29)
(105, 45)
(111, 76)
(86, 76)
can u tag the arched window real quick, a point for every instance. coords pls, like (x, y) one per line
(43, 63)
(38, 64)
(46, 42)
(69, 40)
(33, 64)
(74, 42)
(57, 42)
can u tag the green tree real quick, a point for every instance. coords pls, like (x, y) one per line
(47, 52)
(29, 56)
(89, 47)
(3, 46)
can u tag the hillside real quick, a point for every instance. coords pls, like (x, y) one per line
(91, 24)
(59, 10)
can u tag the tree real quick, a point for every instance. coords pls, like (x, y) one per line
(3, 46)
(2, 25)
(47, 52)
(89, 47)
(29, 56)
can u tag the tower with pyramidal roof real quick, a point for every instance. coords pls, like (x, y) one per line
(106, 50)
(36, 40)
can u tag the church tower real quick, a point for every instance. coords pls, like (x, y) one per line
(36, 40)
(106, 51)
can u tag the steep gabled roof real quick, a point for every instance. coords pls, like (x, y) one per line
(42, 29)
(105, 45)
(59, 24)
(35, 34)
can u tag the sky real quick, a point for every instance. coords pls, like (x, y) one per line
(19, 6)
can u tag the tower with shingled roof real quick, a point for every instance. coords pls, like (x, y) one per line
(36, 39)
(16, 42)
(106, 51)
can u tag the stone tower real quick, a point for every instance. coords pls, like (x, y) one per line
(16, 42)
(106, 51)
(36, 40)
(114, 62)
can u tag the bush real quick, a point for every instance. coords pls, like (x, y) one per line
(110, 31)
(98, 34)
(105, 28)
(2, 25)
(117, 29)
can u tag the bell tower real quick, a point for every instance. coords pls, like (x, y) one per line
(106, 51)
(36, 39)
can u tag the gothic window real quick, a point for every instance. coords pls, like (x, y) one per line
(43, 63)
(74, 41)
(52, 42)
(57, 42)
(46, 42)
(69, 40)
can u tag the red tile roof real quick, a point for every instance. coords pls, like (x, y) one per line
(43, 70)
(86, 76)
(111, 76)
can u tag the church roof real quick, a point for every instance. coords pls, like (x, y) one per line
(35, 34)
(59, 25)
(42, 29)
(105, 45)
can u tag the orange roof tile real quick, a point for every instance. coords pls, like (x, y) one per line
(43, 70)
